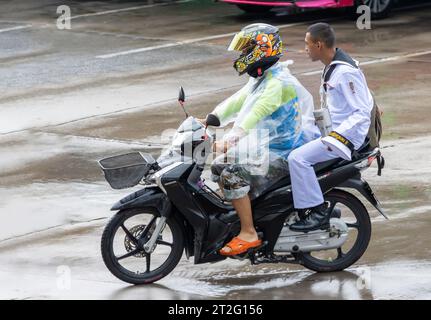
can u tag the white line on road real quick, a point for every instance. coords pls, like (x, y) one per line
(410, 55)
(100, 13)
(127, 9)
(381, 60)
(16, 28)
(180, 43)
(147, 144)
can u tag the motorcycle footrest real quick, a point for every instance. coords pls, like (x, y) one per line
(255, 249)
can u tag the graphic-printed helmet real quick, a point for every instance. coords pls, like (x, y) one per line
(261, 47)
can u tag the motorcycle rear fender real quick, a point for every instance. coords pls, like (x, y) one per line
(364, 188)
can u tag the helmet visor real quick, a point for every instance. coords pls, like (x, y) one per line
(239, 42)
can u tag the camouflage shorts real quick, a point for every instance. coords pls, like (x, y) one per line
(238, 180)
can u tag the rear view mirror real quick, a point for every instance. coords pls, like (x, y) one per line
(181, 99)
(212, 120)
(181, 95)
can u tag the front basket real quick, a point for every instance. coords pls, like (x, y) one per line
(126, 170)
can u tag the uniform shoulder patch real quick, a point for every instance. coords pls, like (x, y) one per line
(352, 87)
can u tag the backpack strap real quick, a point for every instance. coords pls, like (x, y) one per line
(330, 69)
(340, 58)
(327, 75)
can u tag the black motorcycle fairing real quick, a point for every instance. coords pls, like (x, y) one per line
(334, 178)
(209, 202)
(175, 184)
(219, 232)
(269, 213)
(188, 232)
(183, 198)
(146, 197)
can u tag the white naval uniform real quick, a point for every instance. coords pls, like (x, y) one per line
(350, 103)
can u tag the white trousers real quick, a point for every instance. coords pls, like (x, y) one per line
(305, 187)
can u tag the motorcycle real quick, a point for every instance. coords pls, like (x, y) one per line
(176, 211)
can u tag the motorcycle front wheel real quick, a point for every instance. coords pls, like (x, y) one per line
(122, 246)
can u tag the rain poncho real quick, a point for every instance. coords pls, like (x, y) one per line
(276, 103)
(272, 115)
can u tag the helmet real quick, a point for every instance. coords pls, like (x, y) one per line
(261, 47)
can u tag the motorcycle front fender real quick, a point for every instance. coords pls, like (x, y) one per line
(144, 198)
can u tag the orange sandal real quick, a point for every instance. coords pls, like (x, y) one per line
(239, 246)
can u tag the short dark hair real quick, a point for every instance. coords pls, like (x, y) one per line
(322, 32)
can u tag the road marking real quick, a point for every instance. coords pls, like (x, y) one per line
(147, 144)
(16, 28)
(127, 9)
(180, 43)
(409, 55)
(381, 60)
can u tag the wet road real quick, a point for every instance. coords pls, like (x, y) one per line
(108, 85)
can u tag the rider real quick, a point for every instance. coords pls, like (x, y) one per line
(345, 93)
(272, 115)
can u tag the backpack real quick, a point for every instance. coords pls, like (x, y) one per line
(376, 128)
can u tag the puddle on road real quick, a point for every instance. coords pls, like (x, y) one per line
(381, 281)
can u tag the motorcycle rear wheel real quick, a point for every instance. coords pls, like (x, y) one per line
(343, 259)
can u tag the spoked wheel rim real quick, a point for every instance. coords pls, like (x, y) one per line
(358, 234)
(128, 244)
(377, 6)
